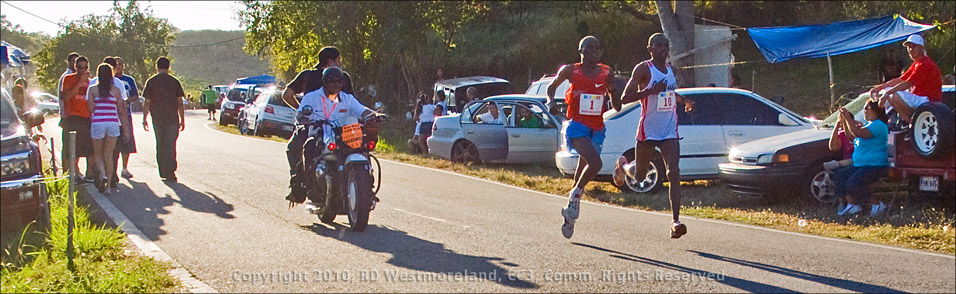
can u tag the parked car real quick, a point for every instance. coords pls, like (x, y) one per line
(229, 111)
(465, 137)
(454, 89)
(47, 103)
(24, 197)
(722, 118)
(268, 114)
(793, 163)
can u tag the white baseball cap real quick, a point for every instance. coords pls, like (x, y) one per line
(915, 39)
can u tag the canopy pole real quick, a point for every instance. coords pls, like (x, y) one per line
(832, 89)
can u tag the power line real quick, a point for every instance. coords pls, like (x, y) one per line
(121, 41)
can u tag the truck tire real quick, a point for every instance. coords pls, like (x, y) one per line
(932, 130)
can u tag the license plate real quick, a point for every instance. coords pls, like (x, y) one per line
(927, 183)
(286, 128)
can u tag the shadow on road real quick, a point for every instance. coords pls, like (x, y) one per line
(839, 283)
(422, 255)
(745, 285)
(144, 205)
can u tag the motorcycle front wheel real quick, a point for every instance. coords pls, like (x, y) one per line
(359, 196)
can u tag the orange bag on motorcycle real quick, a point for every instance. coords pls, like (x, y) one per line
(352, 135)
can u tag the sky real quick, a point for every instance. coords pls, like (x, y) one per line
(184, 15)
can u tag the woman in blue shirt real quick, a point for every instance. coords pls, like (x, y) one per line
(869, 159)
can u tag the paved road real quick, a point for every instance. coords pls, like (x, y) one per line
(226, 222)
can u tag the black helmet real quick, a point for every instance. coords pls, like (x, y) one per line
(332, 73)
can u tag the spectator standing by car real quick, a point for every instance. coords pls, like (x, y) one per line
(869, 159)
(471, 94)
(440, 104)
(208, 98)
(653, 83)
(77, 117)
(70, 60)
(106, 107)
(127, 146)
(163, 93)
(921, 83)
(591, 82)
(890, 66)
(305, 82)
(425, 115)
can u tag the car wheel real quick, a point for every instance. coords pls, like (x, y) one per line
(48, 112)
(652, 182)
(932, 130)
(464, 152)
(243, 127)
(821, 186)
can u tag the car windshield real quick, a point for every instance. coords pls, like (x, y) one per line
(854, 106)
(9, 123)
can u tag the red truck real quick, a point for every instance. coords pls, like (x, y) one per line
(924, 156)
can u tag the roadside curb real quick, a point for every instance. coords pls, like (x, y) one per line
(147, 247)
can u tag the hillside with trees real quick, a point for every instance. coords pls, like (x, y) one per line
(219, 63)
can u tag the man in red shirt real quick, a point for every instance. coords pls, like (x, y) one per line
(921, 83)
(77, 117)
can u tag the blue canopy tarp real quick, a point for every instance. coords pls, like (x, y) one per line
(12, 56)
(258, 80)
(779, 44)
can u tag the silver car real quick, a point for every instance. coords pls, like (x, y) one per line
(479, 135)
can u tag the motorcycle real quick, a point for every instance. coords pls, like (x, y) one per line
(339, 176)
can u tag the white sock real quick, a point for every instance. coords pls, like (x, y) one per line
(575, 193)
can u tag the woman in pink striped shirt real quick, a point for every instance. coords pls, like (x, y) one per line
(106, 110)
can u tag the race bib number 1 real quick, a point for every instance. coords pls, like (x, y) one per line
(666, 101)
(590, 104)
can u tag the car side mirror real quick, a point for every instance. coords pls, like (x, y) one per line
(33, 118)
(783, 119)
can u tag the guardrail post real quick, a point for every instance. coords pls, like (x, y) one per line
(72, 189)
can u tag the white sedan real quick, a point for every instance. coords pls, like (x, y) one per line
(722, 118)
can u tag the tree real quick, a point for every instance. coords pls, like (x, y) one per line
(678, 25)
(129, 32)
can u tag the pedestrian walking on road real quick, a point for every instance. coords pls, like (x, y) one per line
(73, 95)
(591, 84)
(128, 146)
(164, 95)
(653, 83)
(208, 98)
(106, 107)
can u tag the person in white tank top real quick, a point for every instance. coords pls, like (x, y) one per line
(653, 83)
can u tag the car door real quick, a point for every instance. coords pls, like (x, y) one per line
(526, 145)
(702, 143)
(254, 112)
(745, 119)
(490, 139)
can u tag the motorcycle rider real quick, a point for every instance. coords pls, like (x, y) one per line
(307, 81)
(330, 102)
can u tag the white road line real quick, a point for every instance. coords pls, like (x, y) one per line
(668, 214)
(431, 218)
(148, 248)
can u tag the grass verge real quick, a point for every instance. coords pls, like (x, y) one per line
(37, 262)
(911, 221)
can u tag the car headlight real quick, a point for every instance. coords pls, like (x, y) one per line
(15, 164)
(773, 158)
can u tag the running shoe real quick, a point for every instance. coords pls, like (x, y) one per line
(571, 213)
(850, 209)
(126, 174)
(877, 209)
(618, 177)
(678, 229)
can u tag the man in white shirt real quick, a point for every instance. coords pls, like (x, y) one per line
(493, 116)
(117, 83)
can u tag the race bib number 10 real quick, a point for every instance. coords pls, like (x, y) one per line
(591, 104)
(666, 101)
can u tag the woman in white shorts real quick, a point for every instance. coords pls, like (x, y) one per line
(106, 110)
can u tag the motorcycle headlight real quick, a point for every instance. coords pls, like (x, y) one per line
(773, 158)
(15, 164)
